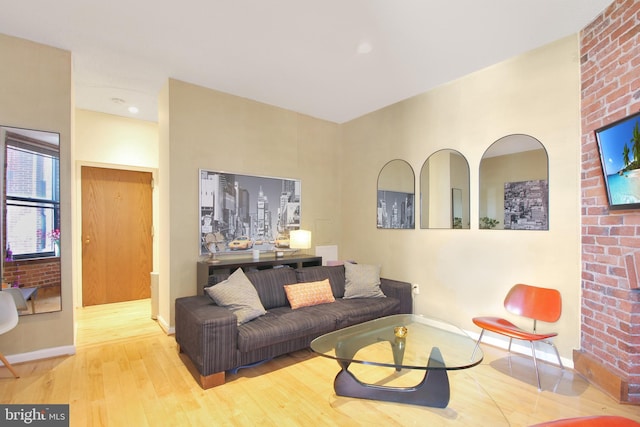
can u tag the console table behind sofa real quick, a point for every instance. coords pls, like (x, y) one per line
(223, 268)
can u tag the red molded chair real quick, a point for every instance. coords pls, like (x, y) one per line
(595, 421)
(527, 301)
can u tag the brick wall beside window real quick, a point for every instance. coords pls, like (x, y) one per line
(43, 272)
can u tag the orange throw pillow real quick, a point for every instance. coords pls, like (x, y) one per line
(309, 293)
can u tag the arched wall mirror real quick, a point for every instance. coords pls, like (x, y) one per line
(396, 195)
(444, 191)
(514, 186)
(31, 219)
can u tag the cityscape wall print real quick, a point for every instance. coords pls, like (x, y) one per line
(395, 209)
(619, 145)
(245, 212)
(526, 205)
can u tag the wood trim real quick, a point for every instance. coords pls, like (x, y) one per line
(600, 376)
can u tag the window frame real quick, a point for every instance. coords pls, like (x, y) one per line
(35, 147)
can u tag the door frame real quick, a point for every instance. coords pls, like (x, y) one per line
(77, 220)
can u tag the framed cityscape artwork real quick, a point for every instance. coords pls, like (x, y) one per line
(526, 205)
(395, 210)
(244, 212)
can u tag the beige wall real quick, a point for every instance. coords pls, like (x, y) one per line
(35, 93)
(204, 129)
(465, 273)
(535, 94)
(113, 140)
(105, 140)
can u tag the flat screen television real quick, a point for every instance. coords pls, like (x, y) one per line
(619, 146)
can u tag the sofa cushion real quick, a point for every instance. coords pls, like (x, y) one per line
(362, 281)
(335, 274)
(283, 324)
(270, 285)
(238, 295)
(309, 293)
(357, 310)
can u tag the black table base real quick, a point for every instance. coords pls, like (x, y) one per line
(432, 391)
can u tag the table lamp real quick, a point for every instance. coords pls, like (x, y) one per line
(300, 239)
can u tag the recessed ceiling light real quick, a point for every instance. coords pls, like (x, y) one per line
(133, 109)
(364, 48)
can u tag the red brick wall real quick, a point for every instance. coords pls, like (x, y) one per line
(43, 272)
(610, 70)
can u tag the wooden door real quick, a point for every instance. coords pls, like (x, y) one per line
(116, 235)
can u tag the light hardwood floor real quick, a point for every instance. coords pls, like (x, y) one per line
(127, 373)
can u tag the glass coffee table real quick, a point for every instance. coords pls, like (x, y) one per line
(403, 341)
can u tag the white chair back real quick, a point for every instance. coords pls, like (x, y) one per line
(8, 312)
(18, 298)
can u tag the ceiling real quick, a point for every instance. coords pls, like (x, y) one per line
(300, 55)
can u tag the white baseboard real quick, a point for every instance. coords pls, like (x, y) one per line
(523, 348)
(169, 330)
(46, 353)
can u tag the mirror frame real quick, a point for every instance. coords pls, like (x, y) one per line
(514, 164)
(35, 280)
(396, 196)
(440, 201)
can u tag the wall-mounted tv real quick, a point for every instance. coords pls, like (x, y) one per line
(619, 145)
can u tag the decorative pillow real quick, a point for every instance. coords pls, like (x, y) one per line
(238, 295)
(310, 293)
(362, 281)
(335, 274)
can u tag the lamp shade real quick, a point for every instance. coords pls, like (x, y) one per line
(300, 239)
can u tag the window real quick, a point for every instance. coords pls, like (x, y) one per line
(32, 193)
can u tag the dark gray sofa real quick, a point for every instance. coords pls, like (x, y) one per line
(210, 341)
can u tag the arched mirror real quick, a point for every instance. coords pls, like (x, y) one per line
(396, 194)
(514, 186)
(444, 191)
(31, 219)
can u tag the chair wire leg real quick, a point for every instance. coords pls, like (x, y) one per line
(535, 364)
(557, 354)
(477, 345)
(510, 340)
(8, 365)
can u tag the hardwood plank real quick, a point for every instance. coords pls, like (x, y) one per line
(128, 372)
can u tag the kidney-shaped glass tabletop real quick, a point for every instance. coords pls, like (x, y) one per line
(411, 338)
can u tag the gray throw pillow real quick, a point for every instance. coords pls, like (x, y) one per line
(239, 295)
(362, 281)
